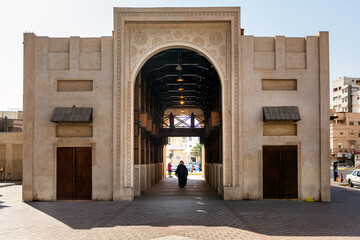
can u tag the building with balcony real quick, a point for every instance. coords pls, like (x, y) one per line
(345, 94)
(179, 148)
(344, 135)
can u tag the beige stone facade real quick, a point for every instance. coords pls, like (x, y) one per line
(12, 114)
(101, 73)
(345, 93)
(344, 134)
(11, 155)
(180, 149)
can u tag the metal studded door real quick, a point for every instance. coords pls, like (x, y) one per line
(74, 173)
(280, 172)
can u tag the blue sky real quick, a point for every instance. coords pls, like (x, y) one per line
(90, 18)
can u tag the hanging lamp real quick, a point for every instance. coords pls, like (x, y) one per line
(180, 79)
(179, 68)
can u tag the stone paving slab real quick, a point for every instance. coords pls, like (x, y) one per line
(173, 237)
(167, 212)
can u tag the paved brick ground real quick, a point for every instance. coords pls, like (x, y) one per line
(167, 212)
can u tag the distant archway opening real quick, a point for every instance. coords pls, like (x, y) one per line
(177, 93)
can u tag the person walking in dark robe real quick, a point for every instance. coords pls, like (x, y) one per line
(182, 173)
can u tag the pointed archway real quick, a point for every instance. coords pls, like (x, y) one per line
(177, 93)
(138, 37)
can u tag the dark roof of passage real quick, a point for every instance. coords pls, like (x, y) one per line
(201, 83)
(281, 113)
(72, 114)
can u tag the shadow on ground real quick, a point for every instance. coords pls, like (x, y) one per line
(2, 203)
(197, 206)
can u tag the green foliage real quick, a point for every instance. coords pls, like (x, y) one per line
(196, 150)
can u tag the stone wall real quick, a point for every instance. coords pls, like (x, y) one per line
(66, 72)
(11, 151)
(278, 71)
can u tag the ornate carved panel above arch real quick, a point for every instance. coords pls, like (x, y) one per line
(144, 40)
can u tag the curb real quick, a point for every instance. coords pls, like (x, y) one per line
(6, 184)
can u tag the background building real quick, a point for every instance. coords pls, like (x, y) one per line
(344, 135)
(179, 148)
(356, 102)
(11, 145)
(345, 112)
(345, 94)
(11, 121)
(18, 114)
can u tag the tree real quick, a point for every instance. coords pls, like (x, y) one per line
(196, 150)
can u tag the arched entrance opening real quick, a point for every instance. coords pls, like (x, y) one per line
(177, 93)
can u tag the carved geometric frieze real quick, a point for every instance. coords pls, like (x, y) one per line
(142, 38)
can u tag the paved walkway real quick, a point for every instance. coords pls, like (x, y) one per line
(167, 212)
(7, 183)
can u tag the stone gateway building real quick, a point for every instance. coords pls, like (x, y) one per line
(98, 111)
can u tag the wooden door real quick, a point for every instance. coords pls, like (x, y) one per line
(65, 173)
(271, 171)
(74, 173)
(280, 172)
(83, 174)
(289, 171)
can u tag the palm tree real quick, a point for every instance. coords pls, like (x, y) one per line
(197, 150)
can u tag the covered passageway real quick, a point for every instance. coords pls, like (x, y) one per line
(177, 93)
